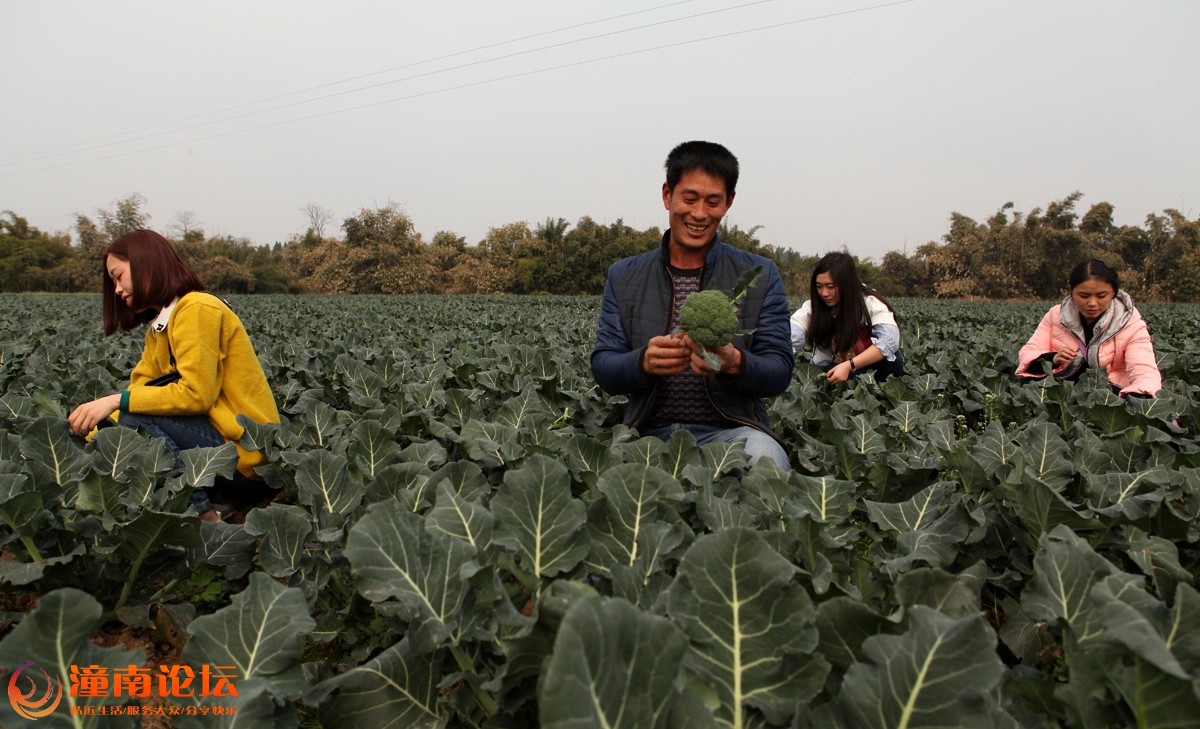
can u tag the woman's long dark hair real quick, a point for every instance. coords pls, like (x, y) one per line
(824, 327)
(1094, 268)
(159, 275)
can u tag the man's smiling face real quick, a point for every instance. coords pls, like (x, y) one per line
(696, 207)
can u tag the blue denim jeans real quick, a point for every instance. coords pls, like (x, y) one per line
(756, 443)
(180, 433)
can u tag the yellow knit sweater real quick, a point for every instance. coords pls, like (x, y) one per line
(219, 373)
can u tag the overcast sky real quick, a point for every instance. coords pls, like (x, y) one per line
(860, 129)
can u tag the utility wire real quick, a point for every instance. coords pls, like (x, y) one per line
(353, 78)
(45, 156)
(476, 83)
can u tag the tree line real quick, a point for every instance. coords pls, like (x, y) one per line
(1011, 255)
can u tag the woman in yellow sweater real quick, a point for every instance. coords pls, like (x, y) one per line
(198, 370)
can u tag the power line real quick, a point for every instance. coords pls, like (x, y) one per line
(475, 83)
(365, 88)
(352, 78)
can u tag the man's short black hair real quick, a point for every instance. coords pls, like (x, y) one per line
(708, 156)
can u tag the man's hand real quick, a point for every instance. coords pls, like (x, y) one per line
(729, 356)
(665, 356)
(838, 373)
(1064, 355)
(86, 416)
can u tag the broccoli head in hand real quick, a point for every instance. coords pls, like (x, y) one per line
(709, 318)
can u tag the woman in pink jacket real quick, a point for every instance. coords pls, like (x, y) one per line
(1095, 326)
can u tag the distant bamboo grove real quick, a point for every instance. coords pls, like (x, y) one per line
(1011, 255)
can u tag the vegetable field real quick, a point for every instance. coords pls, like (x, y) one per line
(466, 537)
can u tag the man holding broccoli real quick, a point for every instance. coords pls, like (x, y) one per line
(710, 380)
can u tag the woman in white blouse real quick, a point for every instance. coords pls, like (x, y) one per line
(849, 325)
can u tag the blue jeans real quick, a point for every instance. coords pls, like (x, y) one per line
(180, 433)
(756, 443)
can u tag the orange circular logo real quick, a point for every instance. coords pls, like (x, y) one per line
(24, 703)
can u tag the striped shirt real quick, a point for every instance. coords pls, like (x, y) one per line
(681, 398)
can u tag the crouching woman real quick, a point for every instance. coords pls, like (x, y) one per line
(849, 325)
(1096, 326)
(198, 369)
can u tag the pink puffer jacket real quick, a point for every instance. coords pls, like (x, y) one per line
(1128, 355)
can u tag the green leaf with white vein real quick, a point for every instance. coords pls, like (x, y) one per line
(229, 546)
(100, 492)
(47, 440)
(680, 453)
(1158, 700)
(21, 510)
(1131, 494)
(1124, 624)
(934, 675)
(1028, 639)
(201, 466)
(937, 589)
(724, 457)
(115, 450)
(517, 409)
(1159, 559)
(844, 624)
(936, 545)
(642, 582)
(430, 455)
(284, 529)
(1046, 454)
(1180, 629)
(995, 450)
(912, 515)
(825, 497)
(325, 483)
(489, 443)
(588, 455)
(398, 479)
(373, 448)
(457, 517)
(259, 634)
(862, 438)
(632, 492)
(1040, 507)
(750, 626)
(393, 555)
(398, 689)
(153, 529)
(537, 517)
(766, 491)
(717, 512)
(1065, 568)
(464, 477)
(908, 418)
(320, 422)
(613, 666)
(648, 450)
(54, 636)
(12, 481)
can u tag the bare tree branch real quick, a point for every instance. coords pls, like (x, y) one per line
(318, 218)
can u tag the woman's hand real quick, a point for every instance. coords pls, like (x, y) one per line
(838, 373)
(88, 415)
(1064, 355)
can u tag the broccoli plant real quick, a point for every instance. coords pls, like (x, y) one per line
(710, 317)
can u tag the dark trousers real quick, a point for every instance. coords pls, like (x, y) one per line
(882, 369)
(180, 433)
